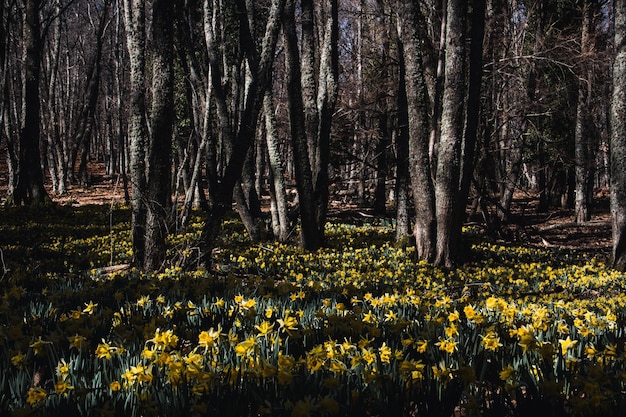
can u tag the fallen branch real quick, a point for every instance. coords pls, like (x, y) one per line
(112, 269)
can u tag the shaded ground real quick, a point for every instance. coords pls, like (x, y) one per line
(555, 229)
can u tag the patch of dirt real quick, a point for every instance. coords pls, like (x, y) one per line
(102, 189)
(558, 229)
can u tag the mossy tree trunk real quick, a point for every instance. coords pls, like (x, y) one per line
(162, 123)
(135, 27)
(618, 139)
(418, 121)
(312, 85)
(440, 191)
(582, 138)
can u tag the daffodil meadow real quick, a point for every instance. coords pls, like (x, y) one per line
(357, 328)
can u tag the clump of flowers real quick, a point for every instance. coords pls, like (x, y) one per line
(358, 327)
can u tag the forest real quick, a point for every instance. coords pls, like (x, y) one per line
(313, 208)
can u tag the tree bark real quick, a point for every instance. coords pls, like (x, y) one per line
(162, 122)
(403, 223)
(424, 229)
(618, 139)
(309, 83)
(30, 188)
(451, 142)
(134, 19)
(88, 113)
(310, 238)
(261, 70)
(328, 86)
(581, 134)
(279, 195)
(56, 164)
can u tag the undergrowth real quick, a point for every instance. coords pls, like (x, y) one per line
(358, 328)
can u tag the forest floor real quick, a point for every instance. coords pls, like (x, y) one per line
(555, 229)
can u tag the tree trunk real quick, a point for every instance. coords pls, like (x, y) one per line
(472, 113)
(194, 181)
(403, 223)
(328, 86)
(134, 18)
(385, 123)
(261, 70)
(89, 110)
(29, 188)
(437, 87)
(581, 133)
(618, 139)
(380, 192)
(310, 238)
(250, 203)
(162, 122)
(450, 145)
(309, 83)
(56, 165)
(418, 131)
(277, 186)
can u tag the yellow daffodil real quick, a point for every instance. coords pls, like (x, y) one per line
(507, 373)
(451, 331)
(590, 351)
(491, 341)
(77, 341)
(454, 316)
(337, 367)
(246, 347)
(63, 388)
(567, 344)
(385, 353)
(470, 312)
(104, 351)
(264, 329)
(39, 346)
(63, 369)
(143, 301)
(165, 339)
(527, 342)
(421, 346)
(36, 395)
(18, 360)
(90, 308)
(289, 323)
(447, 345)
(411, 370)
(208, 339)
(441, 373)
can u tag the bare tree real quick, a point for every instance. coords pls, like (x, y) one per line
(162, 126)
(618, 139)
(87, 118)
(440, 205)
(418, 131)
(260, 68)
(279, 208)
(30, 188)
(311, 105)
(135, 26)
(581, 132)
